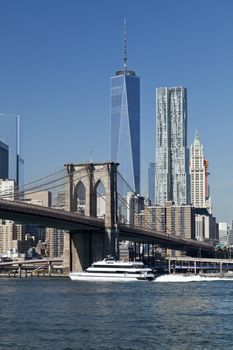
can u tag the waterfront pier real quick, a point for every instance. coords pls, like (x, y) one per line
(30, 268)
(204, 266)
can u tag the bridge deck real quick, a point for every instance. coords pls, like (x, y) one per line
(72, 221)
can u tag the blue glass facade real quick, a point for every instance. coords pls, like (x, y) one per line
(125, 126)
(10, 135)
(4, 161)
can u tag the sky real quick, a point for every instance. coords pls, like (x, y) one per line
(57, 57)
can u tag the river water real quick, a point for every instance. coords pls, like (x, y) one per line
(37, 313)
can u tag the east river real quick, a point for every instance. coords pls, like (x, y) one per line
(37, 313)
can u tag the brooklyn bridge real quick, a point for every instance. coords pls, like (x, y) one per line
(88, 238)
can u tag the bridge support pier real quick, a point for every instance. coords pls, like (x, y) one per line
(67, 252)
(81, 249)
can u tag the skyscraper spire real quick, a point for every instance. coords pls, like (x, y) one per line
(125, 45)
(196, 139)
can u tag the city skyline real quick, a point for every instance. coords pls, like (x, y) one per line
(57, 59)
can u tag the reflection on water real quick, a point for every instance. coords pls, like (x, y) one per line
(61, 314)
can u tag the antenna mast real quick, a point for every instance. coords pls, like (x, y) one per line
(125, 45)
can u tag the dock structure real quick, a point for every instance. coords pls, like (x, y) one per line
(30, 268)
(205, 266)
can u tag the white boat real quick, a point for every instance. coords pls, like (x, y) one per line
(110, 269)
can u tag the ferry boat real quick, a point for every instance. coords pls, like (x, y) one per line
(110, 269)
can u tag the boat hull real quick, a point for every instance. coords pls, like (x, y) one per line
(83, 276)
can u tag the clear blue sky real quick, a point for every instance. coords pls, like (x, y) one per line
(57, 57)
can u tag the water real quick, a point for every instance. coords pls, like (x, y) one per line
(64, 314)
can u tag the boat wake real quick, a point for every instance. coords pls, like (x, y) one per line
(189, 278)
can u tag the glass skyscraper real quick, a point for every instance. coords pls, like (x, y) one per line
(125, 126)
(172, 155)
(4, 161)
(10, 135)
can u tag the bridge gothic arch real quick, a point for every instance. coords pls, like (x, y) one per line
(80, 197)
(91, 175)
(99, 190)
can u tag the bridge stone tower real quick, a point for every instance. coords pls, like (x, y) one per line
(83, 247)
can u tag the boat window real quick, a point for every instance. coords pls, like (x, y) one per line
(115, 266)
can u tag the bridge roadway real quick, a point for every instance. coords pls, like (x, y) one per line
(72, 221)
(49, 217)
(165, 240)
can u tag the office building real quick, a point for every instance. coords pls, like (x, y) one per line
(55, 242)
(54, 236)
(223, 233)
(180, 220)
(206, 228)
(60, 199)
(125, 126)
(169, 218)
(172, 155)
(10, 135)
(230, 234)
(7, 189)
(153, 217)
(100, 206)
(197, 173)
(4, 161)
(43, 198)
(207, 191)
(151, 183)
(208, 202)
(10, 233)
(135, 204)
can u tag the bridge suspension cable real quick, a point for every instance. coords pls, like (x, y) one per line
(19, 189)
(48, 185)
(123, 201)
(42, 178)
(167, 229)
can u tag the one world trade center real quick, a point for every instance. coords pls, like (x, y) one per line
(125, 124)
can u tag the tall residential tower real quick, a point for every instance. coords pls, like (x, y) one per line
(125, 123)
(172, 156)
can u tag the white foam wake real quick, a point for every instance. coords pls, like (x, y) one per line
(188, 278)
